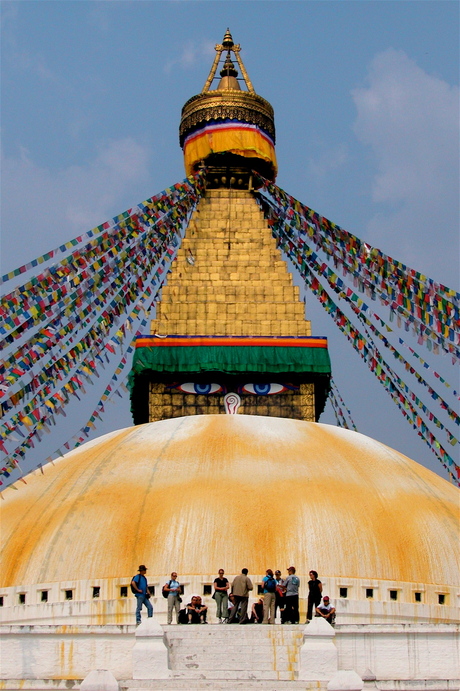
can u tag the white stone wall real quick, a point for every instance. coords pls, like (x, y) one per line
(111, 608)
(400, 652)
(65, 652)
(428, 652)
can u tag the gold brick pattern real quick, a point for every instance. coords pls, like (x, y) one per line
(166, 403)
(229, 278)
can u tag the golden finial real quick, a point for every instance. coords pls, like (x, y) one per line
(228, 70)
(229, 76)
(228, 45)
(228, 40)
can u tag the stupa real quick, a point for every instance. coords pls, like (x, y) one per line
(230, 319)
(227, 465)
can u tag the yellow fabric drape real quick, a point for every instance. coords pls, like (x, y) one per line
(250, 143)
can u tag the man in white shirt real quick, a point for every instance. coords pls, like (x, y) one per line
(326, 610)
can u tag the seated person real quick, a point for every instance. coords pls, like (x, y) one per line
(196, 611)
(231, 602)
(257, 612)
(326, 610)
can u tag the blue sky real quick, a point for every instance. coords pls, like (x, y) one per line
(366, 107)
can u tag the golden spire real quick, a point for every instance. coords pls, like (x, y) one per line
(228, 45)
(229, 76)
(228, 120)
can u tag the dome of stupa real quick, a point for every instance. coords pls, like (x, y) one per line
(200, 492)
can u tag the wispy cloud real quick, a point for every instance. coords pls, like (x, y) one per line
(327, 161)
(190, 55)
(410, 119)
(98, 18)
(19, 55)
(45, 207)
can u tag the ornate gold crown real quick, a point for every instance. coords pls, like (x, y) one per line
(228, 101)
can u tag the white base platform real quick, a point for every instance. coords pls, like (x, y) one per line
(229, 685)
(225, 657)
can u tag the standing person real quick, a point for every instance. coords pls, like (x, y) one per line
(291, 584)
(279, 599)
(221, 586)
(140, 588)
(172, 587)
(315, 588)
(269, 597)
(241, 587)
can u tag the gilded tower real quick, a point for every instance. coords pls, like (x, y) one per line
(230, 333)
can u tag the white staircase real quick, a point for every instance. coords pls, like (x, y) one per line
(230, 657)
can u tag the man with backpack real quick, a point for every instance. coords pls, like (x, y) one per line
(269, 597)
(140, 588)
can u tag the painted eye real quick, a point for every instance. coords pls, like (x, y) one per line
(263, 389)
(190, 387)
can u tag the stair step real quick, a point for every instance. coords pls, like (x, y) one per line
(242, 674)
(239, 641)
(242, 651)
(167, 685)
(254, 670)
(216, 651)
(241, 648)
(221, 685)
(234, 630)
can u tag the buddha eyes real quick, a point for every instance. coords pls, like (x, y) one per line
(255, 389)
(190, 387)
(262, 389)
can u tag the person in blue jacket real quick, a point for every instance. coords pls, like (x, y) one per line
(140, 588)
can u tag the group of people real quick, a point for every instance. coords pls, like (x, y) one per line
(232, 599)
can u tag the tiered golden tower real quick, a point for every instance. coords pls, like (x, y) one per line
(230, 319)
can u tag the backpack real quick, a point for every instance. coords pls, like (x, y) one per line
(136, 580)
(164, 592)
(270, 585)
(183, 617)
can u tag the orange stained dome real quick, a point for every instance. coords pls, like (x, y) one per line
(202, 492)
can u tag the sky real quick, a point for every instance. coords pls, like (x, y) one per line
(365, 95)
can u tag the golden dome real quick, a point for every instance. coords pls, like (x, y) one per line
(201, 492)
